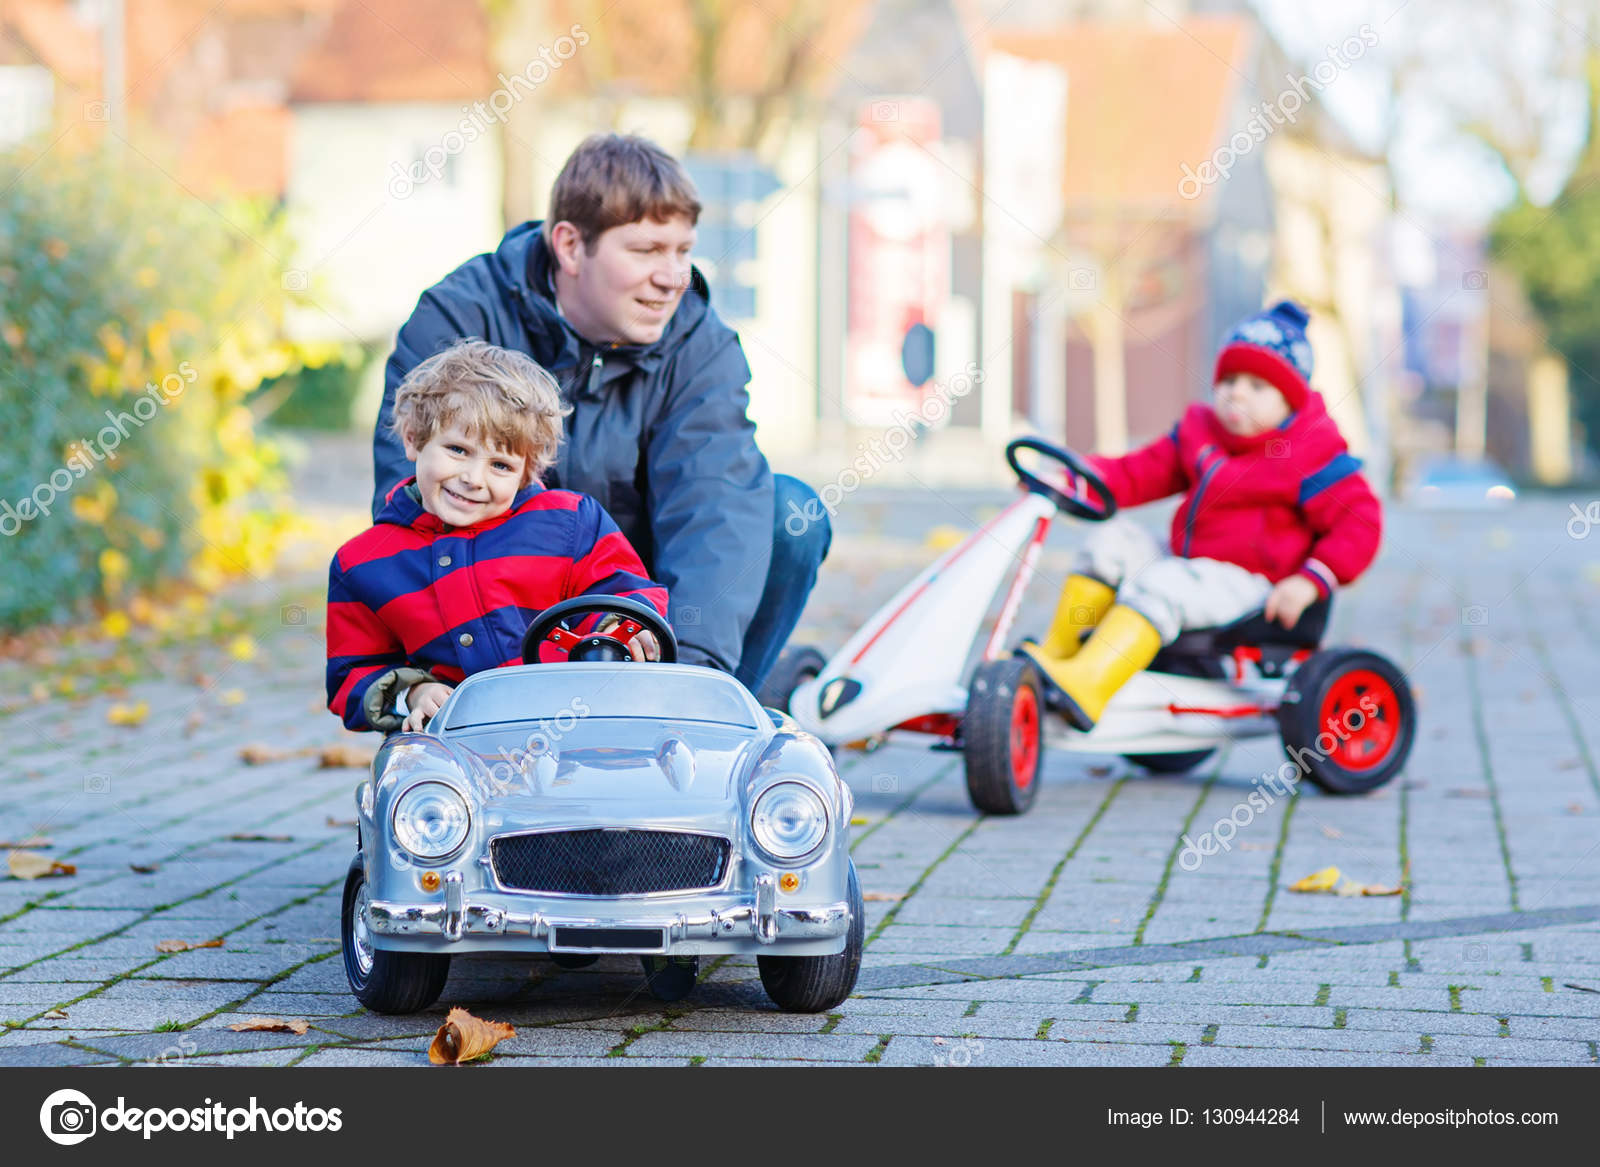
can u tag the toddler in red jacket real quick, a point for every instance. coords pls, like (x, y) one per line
(1276, 515)
(464, 554)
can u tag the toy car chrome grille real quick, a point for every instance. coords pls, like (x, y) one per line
(609, 863)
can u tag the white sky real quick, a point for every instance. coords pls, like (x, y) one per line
(1466, 49)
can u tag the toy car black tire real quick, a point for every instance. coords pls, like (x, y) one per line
(670, 978)
(815, 984)
(1003, 736)
(396, 982)
(795, 665)
(1179, 763)
(1348, 720)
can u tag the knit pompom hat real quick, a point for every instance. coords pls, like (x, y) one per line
(1271, 345)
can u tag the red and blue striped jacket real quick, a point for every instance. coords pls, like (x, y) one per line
(414, 591)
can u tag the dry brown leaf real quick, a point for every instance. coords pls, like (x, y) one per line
(340, 756)
(186, 945)
(256, 754)
(34, 841)
(144, 868)
(1375, 889)
(463, 1037)
(1324, 880)
(55, 1015)
(1580, 988)
(271, 1025)
(1100, 771)
(32, 865)
(1574, 808)
(882, 897)
(252, 837)
(340, 823)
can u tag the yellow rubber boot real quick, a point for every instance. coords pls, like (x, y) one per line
(1083, 604)
(1123, 644)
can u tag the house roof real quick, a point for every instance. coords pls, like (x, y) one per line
(1143, 99)
(649, 47)
(51, 34)
(243, 150)
(400, 50)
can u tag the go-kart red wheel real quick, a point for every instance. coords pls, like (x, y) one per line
(1348, 720)
(1003, 734)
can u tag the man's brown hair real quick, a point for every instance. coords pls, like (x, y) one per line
(498, 395)
(613, 179)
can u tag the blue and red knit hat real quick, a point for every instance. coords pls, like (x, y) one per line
(1271, 345)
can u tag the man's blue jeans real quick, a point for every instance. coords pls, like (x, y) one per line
(801, 536)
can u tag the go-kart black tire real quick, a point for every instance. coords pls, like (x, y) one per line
(397, 982)
(1318, 702)
(795, 665)
(1003, 736)
(670, 978)
(1180, 763)
(815, 984)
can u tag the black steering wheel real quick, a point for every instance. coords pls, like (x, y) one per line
(611, 645)
(1077, 466)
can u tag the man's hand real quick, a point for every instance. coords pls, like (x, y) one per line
(423, 700)
(644, 646)
(1290, 597)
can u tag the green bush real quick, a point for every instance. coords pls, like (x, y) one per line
(316, 397)
(134, 319)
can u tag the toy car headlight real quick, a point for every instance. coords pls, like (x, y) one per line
(431, 820)
(789, 820)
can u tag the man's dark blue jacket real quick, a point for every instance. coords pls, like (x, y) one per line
(659, 434)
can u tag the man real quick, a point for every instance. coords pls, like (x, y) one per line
(602, 294)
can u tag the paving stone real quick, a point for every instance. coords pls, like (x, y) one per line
(805, 1047)
(1303, 1038)
(1216, 1055)
(1524, 1049)
(51, 1054)
(920, 1051)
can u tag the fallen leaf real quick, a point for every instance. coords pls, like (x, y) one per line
(30, 841)
(242, 648)
(1349, 887)
(55, 1015)
(1100, 771)
(1324, 880)
(1333, 832)
(882, 897)
(231, 697)
(338, 756)
(128, 714)
(1569, 763)
(1574, 808)
(333, 822)
(248, 837)
(859, 821)
(1580, 988)
(39, 691)
(193, 722)
(938, 1041)
(1379, 890)
(145, 868)
(186, 945)
(32, 865)
(1466, 792)
(256, 754)
(463, 1037)
(270, 1025)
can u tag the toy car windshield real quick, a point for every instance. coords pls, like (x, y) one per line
(543, 691)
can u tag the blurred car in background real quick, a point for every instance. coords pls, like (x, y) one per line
(1458, 484)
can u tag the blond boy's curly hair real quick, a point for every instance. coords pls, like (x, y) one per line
(497, 395)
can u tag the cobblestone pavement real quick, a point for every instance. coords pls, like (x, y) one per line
(1069, 936)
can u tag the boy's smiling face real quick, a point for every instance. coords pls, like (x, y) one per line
(464, 479)
(1247, 405)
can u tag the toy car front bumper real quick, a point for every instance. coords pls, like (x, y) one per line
(753, 925)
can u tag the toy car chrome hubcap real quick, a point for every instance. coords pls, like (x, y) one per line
(1362, 714)
(1024, 737)
(360, 936)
